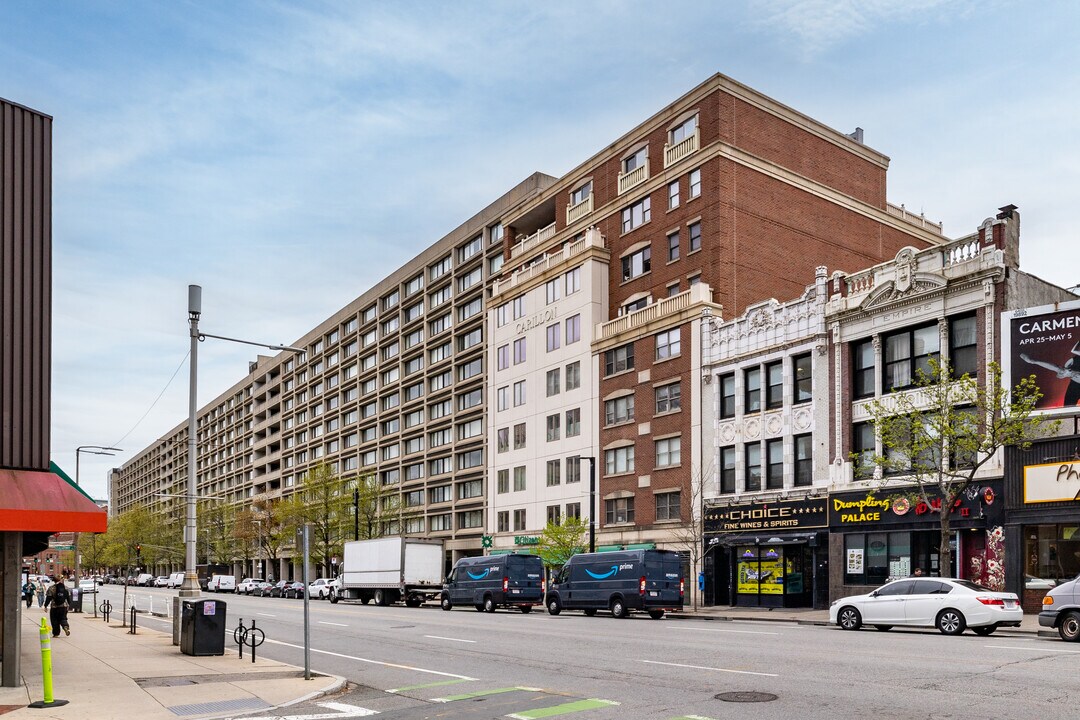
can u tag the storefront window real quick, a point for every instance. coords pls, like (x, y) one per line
(1052, 552)
(877, 558)
(761, 571)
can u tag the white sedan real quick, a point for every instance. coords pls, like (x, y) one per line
(320, 589)
(949, 605)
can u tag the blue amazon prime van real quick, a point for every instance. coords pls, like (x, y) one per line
(494, 581)
(620, 582)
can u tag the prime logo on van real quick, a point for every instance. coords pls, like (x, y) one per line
(611, 573)
(479, 576)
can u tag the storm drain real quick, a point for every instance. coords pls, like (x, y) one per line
(746, 697)
(220, 706)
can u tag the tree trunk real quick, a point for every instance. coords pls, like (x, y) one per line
(944, 554)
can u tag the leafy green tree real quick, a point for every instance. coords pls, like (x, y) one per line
(379, 509)
(323, 504)
(938, 436)
(217, 533)
(560, 540)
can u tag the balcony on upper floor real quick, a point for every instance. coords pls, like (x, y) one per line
(673, 153)
(630, 179)
(917, 220)
(661, 309)
(575, 212)
(592, 239)
(524, 244)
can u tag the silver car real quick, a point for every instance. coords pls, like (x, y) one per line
(949, 605)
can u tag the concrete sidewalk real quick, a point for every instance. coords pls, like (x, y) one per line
(104, 672)
(1029, 626)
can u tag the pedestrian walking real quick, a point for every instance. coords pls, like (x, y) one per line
(59, 597)
(39, 588)
(28, 592)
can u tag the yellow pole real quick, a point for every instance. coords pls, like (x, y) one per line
(46, 669)
(46, 661)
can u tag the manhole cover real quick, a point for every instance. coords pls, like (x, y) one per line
(746, 697)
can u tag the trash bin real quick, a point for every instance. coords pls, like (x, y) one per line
(76, 600)
(202, 627)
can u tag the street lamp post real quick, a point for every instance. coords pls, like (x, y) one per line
(592, 502)
(90, 450)
(356, 513)
(190, 588)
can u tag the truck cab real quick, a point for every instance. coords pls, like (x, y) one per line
(1061, 610)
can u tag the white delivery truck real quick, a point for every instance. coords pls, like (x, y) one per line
(390, 569)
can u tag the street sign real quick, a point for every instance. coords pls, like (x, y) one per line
(61, 547)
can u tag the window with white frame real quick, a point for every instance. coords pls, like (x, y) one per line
(619, 410)
(668, 397)
(668, 452)
(519, 393)
(551, 290)
(552, 382)
(470, 248)
(637, 214)
(572, 280)
(573, 329)
(619, 460)
(668, 344)
(554, 335)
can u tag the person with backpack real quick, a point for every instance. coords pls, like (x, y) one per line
(59, 597)
(28, 592)
(39, 588)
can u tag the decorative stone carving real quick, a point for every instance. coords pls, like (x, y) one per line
(774, 424)
(752, 429)
(802, 418)
(727, 432)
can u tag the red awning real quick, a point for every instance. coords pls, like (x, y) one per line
(37, 501)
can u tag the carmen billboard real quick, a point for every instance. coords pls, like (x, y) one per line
(1045, 342)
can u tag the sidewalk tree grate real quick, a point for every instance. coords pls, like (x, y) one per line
(746, 697)
(219, 706)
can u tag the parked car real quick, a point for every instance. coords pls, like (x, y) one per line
(295, 589)
(245, 586)
(144, 580)
(87, 585)
(108, 579)
(161, 581)
(621, 582)
(176, 579)
(949, 605)
(319, 590)
(490, 581)
(262, 588)
(278, 588)
(1061, 610)
(221, 583)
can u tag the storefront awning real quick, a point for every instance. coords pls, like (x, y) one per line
(35, 501)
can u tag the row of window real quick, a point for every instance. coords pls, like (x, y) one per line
(618, 511)
(771, 396)
(763, 465)
(621, 359)
(908, 352)
(573, 382)
(554, 474)
(620, 460)
(667, 398)
(568, 284)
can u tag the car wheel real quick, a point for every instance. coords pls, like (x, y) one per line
(1069, 629)
(618, 608)
(849, 618)
(984, 630)
(380, 598)
(334, 598)
(951, 622)
(489, 604)
(656, 614)
(883, 628)
(554, 606)
(526, 609)
(445, 603)
(590, 612)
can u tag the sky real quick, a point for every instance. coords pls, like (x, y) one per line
(288, 156)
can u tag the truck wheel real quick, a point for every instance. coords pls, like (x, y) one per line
(1069, 629)
(445, 603)
(380, 598)
(413, 600)
(656, 614)
(618, 608)
(479, 607)
(526, 609)
(554, 606)
(489, 604)
(589, 612)
(333, 597)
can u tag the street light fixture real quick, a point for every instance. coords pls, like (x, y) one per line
(89, 450)
(190, 587)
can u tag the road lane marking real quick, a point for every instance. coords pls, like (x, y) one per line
(407, 688)
(1033, 649)
(743, 632)
(478, 693)
(323, 622)
(266, 614)
(440, 637)
(701, 667)
(372, 662)
(565, 708)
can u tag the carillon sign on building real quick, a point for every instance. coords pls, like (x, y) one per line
(781, 514)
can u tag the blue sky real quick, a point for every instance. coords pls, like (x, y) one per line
(287, 156)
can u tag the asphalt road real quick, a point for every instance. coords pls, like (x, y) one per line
(426, 663)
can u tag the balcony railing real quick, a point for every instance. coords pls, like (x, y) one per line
(919, 220)
(527, 243)
(592, 238)
(960, 251)
(576, 212)
(860, 282)
(659, 309)
(633, 178)
(675, 153)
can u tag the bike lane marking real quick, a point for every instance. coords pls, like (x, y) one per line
(372, 662)
(563, 709)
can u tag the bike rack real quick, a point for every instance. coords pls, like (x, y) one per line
(106, 609)
(251, 637)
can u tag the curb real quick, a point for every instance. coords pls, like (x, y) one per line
(824, 623)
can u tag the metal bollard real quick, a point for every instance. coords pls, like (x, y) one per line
(134, 615)
(106, 609)
(240, 638)
(46, 670)
(255, 642)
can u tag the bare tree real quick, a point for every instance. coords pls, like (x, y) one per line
(689, 536)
